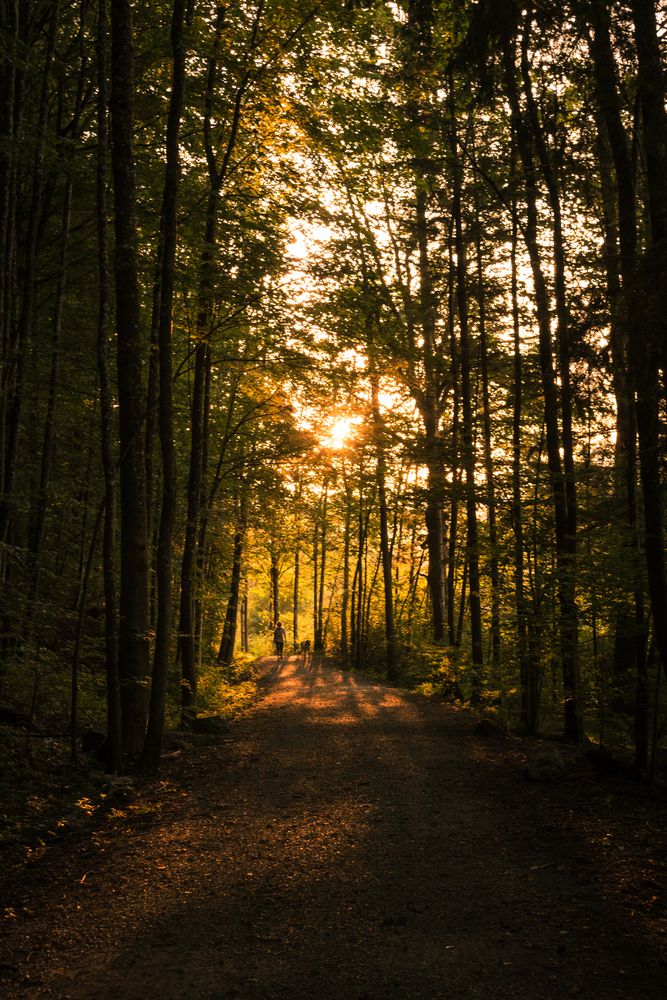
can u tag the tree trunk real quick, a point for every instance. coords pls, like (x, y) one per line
(133, 631)
(113, 744)
(295, 597)
(168, 234)
(488, 457)
(187, 638)
(430, 410)
(467, 428)
(385, 549)
(228, 641)
(631, 333)
(244, 619)
(568, 544)
(648, 325)
(455, 437)
(318, 645)
(565, 575)
(18, 342)
(316, 551)
(275, 582)
(528, 667)
(345, 596)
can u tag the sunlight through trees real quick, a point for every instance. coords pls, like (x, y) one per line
(348, 314)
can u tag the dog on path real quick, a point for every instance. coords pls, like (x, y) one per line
(306, 654)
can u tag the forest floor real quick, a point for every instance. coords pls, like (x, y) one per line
(349, 841)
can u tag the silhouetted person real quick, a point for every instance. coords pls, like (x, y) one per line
(279, 637)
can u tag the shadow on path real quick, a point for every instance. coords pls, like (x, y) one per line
(350, 842)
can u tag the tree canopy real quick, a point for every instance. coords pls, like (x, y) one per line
(349, 314)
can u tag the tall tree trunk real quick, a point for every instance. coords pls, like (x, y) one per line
(295, 595)
(19, 342)
(385, 548)
(568, 545)
(417, 60)
(630, 625)
(529, 668)
(467, 428)
(10, 88)
(133, 632)
(357, 624)
(113, 744)
(573, 726)
(648, 325)
(488, 455)
(168, 234)
(316, 552)
(10, 76)
(275, 584)
(318, 645)
(345, 596)
(244, 619)
(430, 410)
(228, 641)
(66, 152)
(38, 519)
(629, 333)
(452, 542)
(187, 637)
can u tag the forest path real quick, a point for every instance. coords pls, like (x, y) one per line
(348, 841)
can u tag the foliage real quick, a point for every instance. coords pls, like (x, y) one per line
(354, 259)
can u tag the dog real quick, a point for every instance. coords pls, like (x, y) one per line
(306, 654)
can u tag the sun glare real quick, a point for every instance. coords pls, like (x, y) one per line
(341, 431)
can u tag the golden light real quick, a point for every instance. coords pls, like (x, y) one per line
(341, 431)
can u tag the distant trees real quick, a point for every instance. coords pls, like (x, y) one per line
(528, 194)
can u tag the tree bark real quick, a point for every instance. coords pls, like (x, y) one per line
(648, 325)
(133, 631)
(113, 743)
(189, 558)
(573, 724)
(228, 641)
(168, 234)
(275, 582)
(318, 644)
(18, 341)
(391, 651)
(430, 410)
(345, 596)
(529, 667)
(632, 330)
(295, 596)
(488, 455)
(467, 428)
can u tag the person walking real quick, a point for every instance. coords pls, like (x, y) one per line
(279, 637)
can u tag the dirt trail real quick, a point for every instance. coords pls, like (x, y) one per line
(346, 842)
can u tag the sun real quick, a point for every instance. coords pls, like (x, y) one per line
(340, 432)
